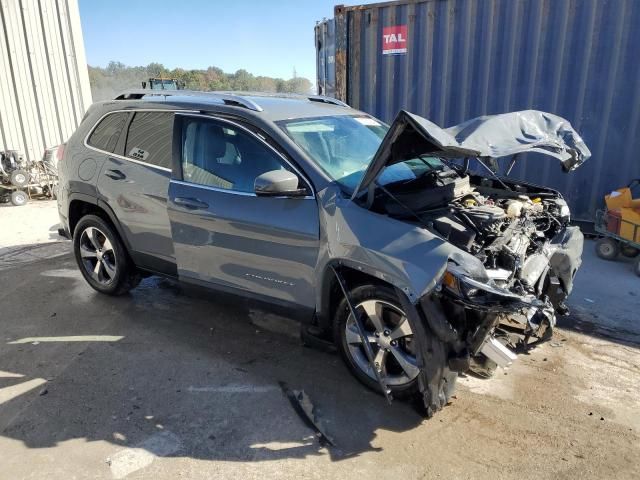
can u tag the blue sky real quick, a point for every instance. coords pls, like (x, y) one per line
(270, 37)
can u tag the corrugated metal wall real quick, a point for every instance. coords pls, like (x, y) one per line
(466, 58)
(44, 82)
(326, 58)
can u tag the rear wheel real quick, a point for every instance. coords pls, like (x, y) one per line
(636, 266)
(102, 258)
(393, 339)
(607, 248)
(629, 251)
(19, 198)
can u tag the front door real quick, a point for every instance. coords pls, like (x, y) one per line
(223, 233)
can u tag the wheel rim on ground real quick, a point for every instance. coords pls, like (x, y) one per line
(391, 338)
(19, 199)
(98, 256)
(606, 249)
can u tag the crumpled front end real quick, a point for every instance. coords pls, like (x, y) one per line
(480, 318)
(482, 263)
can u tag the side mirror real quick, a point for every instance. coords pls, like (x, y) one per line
(278, 183)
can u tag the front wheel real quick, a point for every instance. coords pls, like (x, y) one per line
(636, 266)
(19, 198)
(393, 339)
(102, 257)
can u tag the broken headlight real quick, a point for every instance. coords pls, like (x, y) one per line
(561, 210)
(456, 283)
(459, 285)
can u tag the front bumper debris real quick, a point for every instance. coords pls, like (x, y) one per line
(497, 352)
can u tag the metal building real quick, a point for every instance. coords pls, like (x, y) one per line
(44, 81)
(451, 60)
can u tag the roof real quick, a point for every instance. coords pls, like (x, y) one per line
(273, 106)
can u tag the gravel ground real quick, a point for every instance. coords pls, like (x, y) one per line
(174, 383)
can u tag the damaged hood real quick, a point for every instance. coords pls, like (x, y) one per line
(489, 137)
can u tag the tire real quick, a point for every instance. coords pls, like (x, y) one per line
(49, 191)
(19, 178)
(440, 380)
(19, 198)
(636, 266)
(607, 248)
(629, 251)
(102, 258)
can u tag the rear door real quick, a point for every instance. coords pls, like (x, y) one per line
(222, 232)
(134, 182)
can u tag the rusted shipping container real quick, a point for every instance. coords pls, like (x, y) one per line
(451, 60)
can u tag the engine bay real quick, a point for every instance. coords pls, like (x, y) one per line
(507, 225)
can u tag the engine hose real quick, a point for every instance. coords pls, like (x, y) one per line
(467, 220)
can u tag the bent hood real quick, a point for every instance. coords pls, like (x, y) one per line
(490, 136)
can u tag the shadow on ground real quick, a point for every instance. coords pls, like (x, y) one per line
(178, 373)
(169, 371)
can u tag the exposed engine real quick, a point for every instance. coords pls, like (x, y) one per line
(516, 255)
(509, 227)
(508, 234)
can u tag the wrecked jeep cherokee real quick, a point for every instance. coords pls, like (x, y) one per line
(382, 238)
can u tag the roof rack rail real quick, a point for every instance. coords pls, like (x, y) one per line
(226, 98)
(323, 99)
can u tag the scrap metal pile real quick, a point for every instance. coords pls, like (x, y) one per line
(21, 179)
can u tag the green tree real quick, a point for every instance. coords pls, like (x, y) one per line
(115, 77)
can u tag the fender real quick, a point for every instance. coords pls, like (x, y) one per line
(114, 220)
(83, 197)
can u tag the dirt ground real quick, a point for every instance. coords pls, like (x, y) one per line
(175, 383)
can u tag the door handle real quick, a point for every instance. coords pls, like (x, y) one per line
(115, 174)
(191, 203)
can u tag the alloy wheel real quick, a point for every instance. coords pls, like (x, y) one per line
(391, 338)
(98, 256)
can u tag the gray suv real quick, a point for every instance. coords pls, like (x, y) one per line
(403, 245)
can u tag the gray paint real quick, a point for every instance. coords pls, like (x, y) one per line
(489, 137)
(403, 255)
(137, 194)
(264, 246)
(276, 182)
(281, 249)
(272, 246)
(574, 58)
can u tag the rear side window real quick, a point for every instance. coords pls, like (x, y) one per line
(149, 138)
(105, 135)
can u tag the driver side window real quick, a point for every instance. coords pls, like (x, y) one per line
(220, 155)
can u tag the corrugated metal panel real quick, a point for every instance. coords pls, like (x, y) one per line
(326, 57)
(44, 81)
(575, 58)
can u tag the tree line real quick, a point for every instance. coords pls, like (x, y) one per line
(116, 77)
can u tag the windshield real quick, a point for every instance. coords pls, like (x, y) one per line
(343, 146)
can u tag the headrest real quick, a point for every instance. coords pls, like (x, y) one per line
(214, 143)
